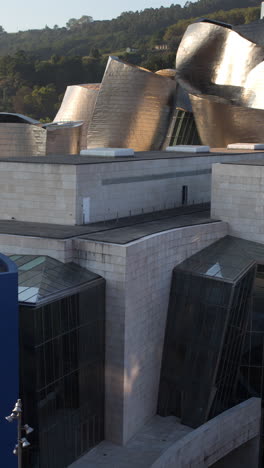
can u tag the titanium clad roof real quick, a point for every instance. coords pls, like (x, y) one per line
(228, 123)
(226, 259)
(78, 104)
(223, 73)
(41, 278)
(133, 108)
(22, 140)
(64, 137)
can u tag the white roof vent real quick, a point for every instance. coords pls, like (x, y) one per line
(262, 10)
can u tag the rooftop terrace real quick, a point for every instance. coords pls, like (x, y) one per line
(119, 231)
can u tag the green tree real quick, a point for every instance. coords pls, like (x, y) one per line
(41, 103)
(94, 52)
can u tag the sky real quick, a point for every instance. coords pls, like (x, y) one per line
(18, 15)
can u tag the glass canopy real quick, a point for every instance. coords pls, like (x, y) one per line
(226, 259)
(42, 278)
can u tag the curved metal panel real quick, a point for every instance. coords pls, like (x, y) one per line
(168, 72)
(64, 137)
(223, 72)
(220, 124)
(132, 110)
(78, 104)
(20, 139)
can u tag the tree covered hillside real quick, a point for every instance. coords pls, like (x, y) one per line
(130, 29)
(37, 65)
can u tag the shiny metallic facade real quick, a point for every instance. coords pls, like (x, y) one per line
(64, 138)
(22, 139)
(168, 72)
(223, 73)
(78, 104)
(133, 108)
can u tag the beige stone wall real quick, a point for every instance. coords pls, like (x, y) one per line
(238, 199)
(26, 245)
(125, 188)
(138, 277)
(44, 193)
(117, 190)
(60, 193)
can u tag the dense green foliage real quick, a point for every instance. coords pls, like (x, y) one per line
(37, 65)
(130, 29)
(236, 16)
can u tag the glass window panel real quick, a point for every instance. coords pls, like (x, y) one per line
(70, 374)
(48, 276)
(28, 295)
(33, 263)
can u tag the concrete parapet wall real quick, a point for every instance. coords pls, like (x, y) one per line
(238, 199)
(138, 277)
(26, 245)
(212, 441)
(231, 440)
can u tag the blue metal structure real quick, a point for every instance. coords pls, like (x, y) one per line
(9, 326)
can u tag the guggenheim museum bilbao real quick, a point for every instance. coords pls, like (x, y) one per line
(132, 265)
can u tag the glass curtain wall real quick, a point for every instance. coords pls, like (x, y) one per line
(206, 326)
(184, 131)
(251, 379)
(62, 376)
(62, 348)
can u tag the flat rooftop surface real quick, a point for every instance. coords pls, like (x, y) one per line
(118, 231)
(76, 160)
(246, 163)
(141, 451)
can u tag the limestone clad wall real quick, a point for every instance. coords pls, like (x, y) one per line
(60, 249)
(72, 194)
(138, 277)
(127, 188)
(42, 193)
(130, 188)
(238, 199)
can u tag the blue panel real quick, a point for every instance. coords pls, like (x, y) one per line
(8, 358)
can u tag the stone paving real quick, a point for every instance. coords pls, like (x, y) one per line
(141, 451)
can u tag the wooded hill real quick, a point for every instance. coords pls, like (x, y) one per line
(37, 65)
(138, 29)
